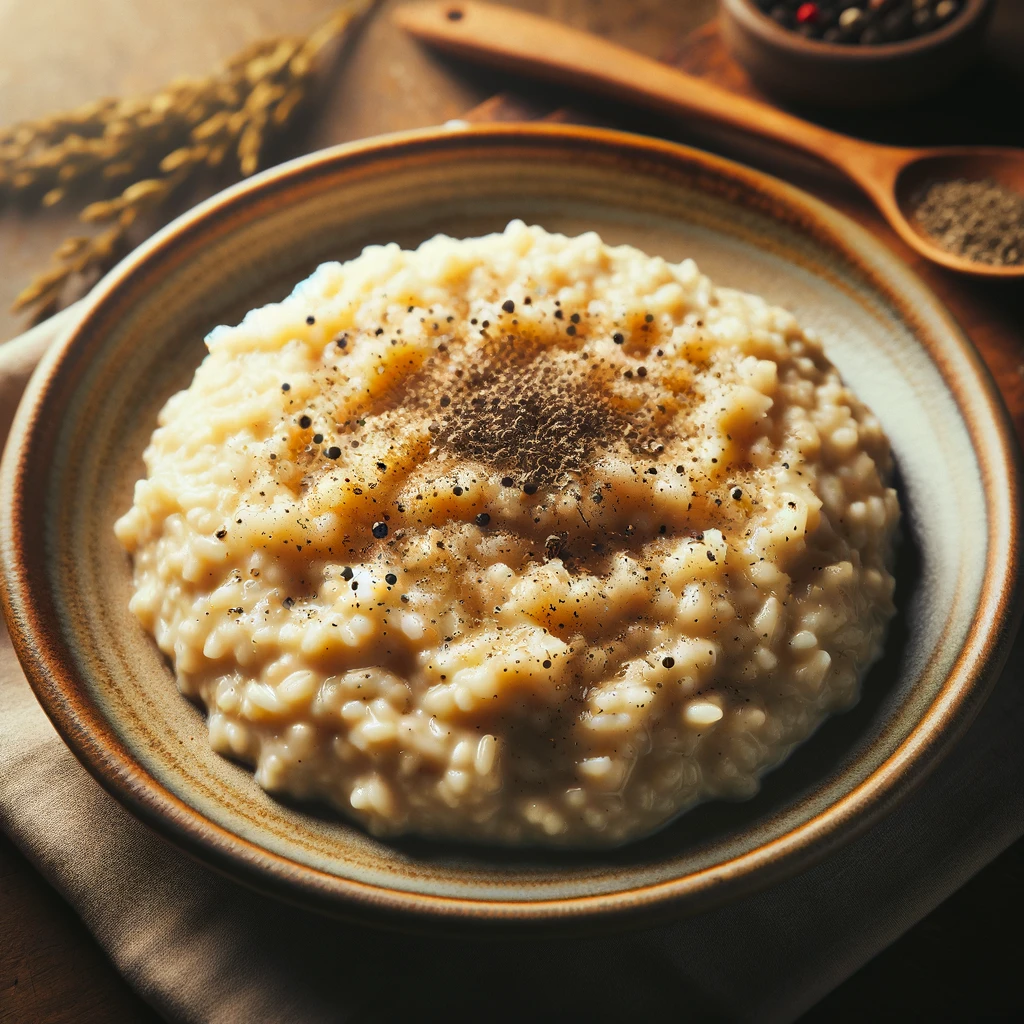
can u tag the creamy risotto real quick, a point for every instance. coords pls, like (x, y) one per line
(522, 538)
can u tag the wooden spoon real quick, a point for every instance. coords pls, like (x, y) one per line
(892, 176)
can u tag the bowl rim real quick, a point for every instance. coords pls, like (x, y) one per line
(51, 670)
(756, 22)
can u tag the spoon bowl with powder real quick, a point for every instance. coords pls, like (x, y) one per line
(967, 206)
(960, 207)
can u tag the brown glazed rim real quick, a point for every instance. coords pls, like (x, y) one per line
(50, 664)
(757, 22)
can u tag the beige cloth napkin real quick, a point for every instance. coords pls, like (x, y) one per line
(199, 947)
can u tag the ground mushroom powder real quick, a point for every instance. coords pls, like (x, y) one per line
(522, 538)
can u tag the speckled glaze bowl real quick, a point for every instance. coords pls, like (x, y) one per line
(75, 452)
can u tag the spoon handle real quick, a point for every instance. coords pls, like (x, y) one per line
(537, 46)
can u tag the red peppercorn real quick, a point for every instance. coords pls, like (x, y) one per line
(807, 14)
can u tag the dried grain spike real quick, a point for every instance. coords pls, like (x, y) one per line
(165, 139)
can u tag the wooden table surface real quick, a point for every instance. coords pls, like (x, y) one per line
(962, 961)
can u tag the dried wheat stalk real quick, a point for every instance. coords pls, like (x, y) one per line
(165, 142)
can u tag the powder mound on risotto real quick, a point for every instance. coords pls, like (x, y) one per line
(522, 538)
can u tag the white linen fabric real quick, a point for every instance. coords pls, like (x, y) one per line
(199, 947)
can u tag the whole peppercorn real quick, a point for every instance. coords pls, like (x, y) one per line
(380, 530)
(896, 24)
(922, 20)
(807, 14)
(863, 22)
(554, 544)
(851, 18)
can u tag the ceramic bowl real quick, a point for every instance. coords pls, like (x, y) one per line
(75, 452)
(820, 74)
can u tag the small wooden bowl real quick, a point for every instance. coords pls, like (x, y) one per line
(816, 73)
